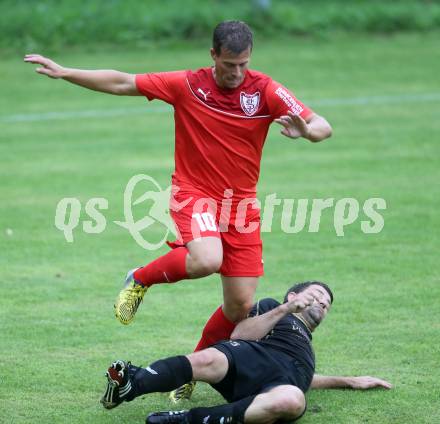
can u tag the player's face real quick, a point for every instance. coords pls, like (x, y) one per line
(316, 312)
(230, 68)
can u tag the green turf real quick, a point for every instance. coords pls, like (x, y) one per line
(57, 329)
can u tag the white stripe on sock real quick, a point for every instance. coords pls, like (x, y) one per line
(124, 390)
(150, 370)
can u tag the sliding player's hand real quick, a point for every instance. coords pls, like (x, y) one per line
(302, 300)
(49, 67)
(367, 382)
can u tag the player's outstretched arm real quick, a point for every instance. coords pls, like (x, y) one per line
(106, 81)
(357, 383)
(315, 129)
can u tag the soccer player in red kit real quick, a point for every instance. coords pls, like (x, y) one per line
(222, 116)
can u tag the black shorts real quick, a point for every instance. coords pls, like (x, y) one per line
(254, 369)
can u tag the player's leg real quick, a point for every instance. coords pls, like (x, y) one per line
(242, 265)
(208, 365)
(238, 295)
(205, 256)
(197, 253)
(217, 366)
(238, 298)
(282, 403)
(125, 381)
(197, 259)
(200, 252)
(231, 413)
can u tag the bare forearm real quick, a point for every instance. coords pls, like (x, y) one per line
(106, 81)
(257, 327)
(113, 82)
(356, 383)
(318, 129)
(330, 382)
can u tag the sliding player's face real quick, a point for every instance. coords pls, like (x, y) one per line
(317, 311)
(230, 68)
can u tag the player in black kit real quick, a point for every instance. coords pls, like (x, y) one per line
(263, 371)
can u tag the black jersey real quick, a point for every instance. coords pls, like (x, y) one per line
(290, 336)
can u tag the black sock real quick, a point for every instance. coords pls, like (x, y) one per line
(229, 413)
(161, 376)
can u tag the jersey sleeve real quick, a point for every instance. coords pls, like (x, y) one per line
(164, 86)
(280, 100)
(263, 306)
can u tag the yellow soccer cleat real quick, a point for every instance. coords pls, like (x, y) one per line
(183, 392)
(129, 299)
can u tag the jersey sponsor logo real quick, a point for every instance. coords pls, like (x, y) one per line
(285, 96)
(298, 329)
(250, 102)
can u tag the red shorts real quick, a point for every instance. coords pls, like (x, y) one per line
(195, 216)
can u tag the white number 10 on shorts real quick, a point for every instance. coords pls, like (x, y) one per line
(205, 221)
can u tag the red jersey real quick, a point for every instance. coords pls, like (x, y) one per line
(219, 133)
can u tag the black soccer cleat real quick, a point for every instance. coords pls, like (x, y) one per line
(168, 417)
(118, 384)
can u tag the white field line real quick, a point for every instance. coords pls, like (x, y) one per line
(106, 113)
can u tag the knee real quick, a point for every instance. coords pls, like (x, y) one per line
(202, 359)
(208, 365)
(289, 405)
(238, 310)
(207, 263)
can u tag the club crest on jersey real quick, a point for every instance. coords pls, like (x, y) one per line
(250, 102)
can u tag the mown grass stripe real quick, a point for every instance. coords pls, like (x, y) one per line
(105, 113)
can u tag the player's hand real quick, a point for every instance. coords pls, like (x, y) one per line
(366, 382)
(302, 300)
(49, 67)
(294, 125)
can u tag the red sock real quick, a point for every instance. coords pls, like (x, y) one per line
(217, 328)
(168, 268)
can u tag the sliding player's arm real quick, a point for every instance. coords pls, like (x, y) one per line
(256, 327)
(106, 81)
(357, 383)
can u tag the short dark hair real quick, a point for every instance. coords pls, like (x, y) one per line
(299, 287)
(234, 36)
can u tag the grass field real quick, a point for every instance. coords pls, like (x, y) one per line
(58, 332)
